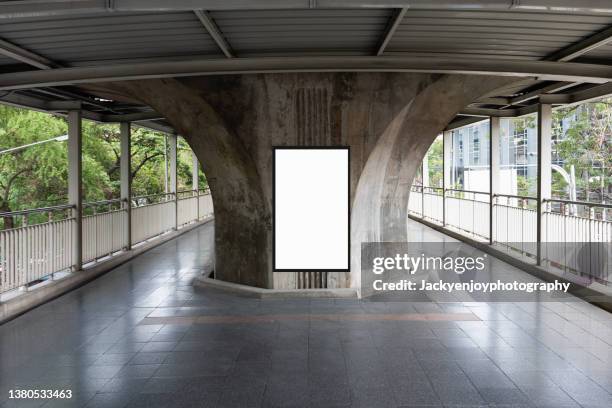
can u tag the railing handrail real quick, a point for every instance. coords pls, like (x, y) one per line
(102, 202)
(434, 188)
(35, 210)
(467, 191)
(585, 203)
(515, 196)
(152, 195)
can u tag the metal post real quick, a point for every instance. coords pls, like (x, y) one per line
(75, 190)
(126, 179)
(447, 140)
(172, 141)
(544, 171)
(166, 164)
(195, 182)
(195, 175)
(423, 186)
(494, 159)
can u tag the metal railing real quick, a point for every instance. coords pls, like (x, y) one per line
(566, 226)
(30, 253)
(460, 210)
(152, 215)
(515, 223)
(415, 201)
(104, 229)
(193, 205)
(433, 204)
(577, 237)
(41, 243)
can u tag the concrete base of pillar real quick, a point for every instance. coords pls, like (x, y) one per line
(204, 281)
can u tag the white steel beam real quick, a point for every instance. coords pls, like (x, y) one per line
(582, 47)
(172, 153)
(544, 171)
(27, 57)
(494, 160)
(214, 32)
(126, 178)
(394, 24)
(75, 188)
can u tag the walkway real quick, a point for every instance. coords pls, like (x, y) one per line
(141, 336)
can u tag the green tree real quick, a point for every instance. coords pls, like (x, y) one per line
(584, 140)
(37, 176)
(434, 159)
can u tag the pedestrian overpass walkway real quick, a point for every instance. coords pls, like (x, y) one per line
(143, 336)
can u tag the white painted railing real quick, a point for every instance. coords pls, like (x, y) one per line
(32, 252)
(187, 210)
(152, 218)
(194, 206)
(104, 233)
(515, 223)
(415, 201)
(205, 205)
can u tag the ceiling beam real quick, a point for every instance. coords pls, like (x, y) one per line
(585, 95)
(462, 121)
(27, 57)
(555, 87)
(40, 8)
(145, 120)
(541, 70)
(395, 22)
(582, 47)
(214, 32)
(484, 112)
(132, 117)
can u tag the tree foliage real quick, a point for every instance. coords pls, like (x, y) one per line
(37, 176)
(584, 140)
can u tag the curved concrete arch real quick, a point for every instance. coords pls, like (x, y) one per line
(232, 122)
(381, 201)
(242, 215)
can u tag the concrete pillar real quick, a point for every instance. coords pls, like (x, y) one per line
(544, 171)
(172, 153)
(126, 178)
(389, 120)
(494, 159)
(75, 189)
(447, 145)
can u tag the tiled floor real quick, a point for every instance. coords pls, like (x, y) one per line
(98, 342)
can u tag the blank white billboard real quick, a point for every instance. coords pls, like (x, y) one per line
(311, 209)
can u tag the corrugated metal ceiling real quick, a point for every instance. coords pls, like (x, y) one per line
(511, 34)
(87, 39)
(291, 31)
(111, 36)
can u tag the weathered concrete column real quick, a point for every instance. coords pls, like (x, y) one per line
(126, 178)
(172, 153)
(494, 158)
(544, 171)
(75, 188)
(389, 120)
